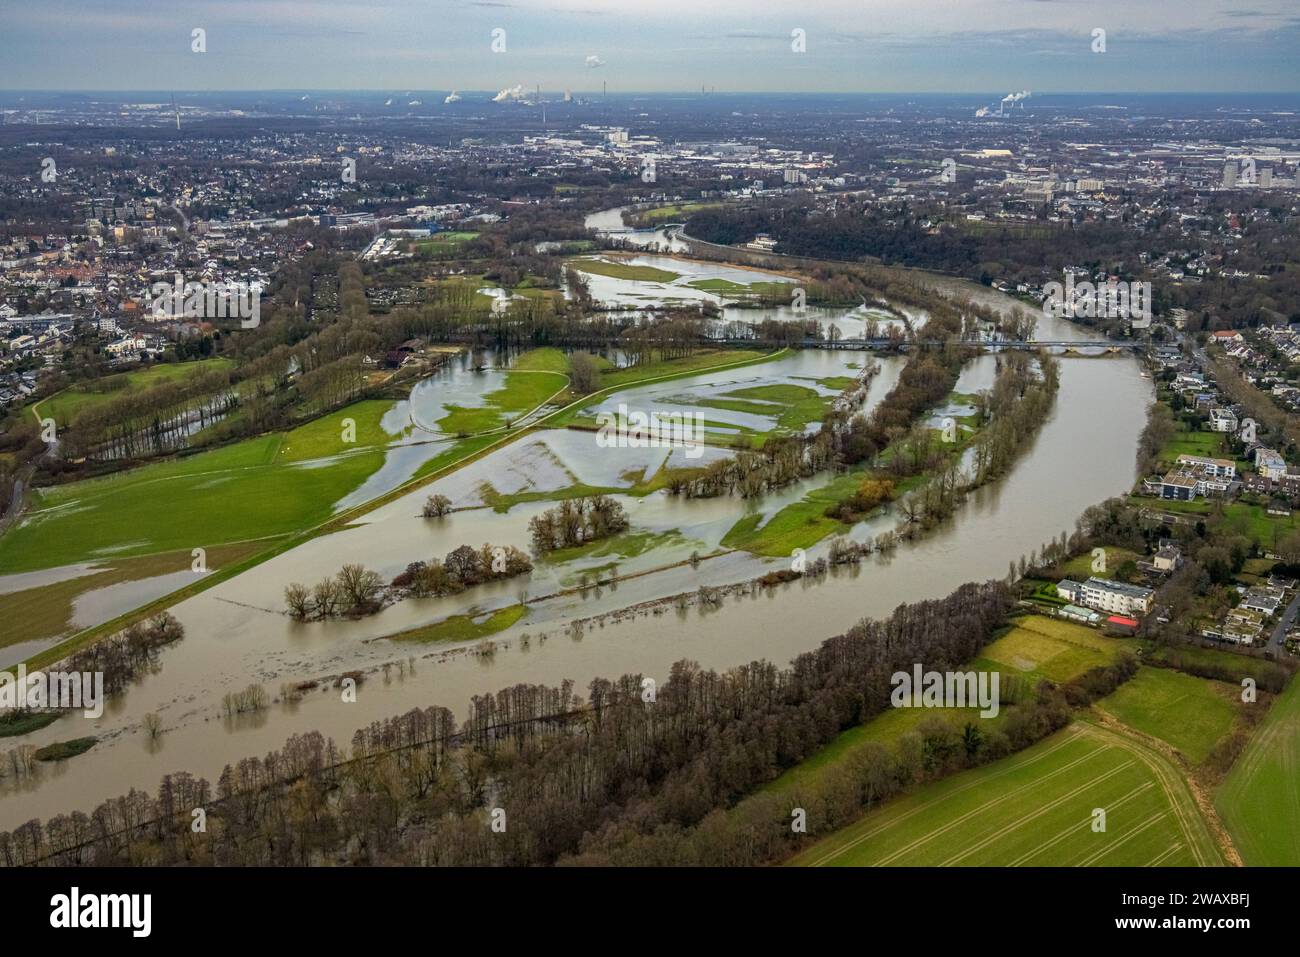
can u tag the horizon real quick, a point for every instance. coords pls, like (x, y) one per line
(756, 46)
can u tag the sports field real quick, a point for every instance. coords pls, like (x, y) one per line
(1036, 808)
(1259, 800)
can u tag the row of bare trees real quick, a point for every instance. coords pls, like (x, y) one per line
(564, 777)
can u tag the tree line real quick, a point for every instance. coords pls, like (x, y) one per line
(569, 776)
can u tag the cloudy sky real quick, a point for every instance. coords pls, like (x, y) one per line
(733, 45)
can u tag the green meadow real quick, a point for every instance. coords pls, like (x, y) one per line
(65, 406)
(1192, 714)
(1259, 800)
(1035, 808)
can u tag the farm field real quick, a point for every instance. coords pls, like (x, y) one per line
(1259, 800)
(1063, 648)
(1036, 809)
(64, 406)
(1190, 713)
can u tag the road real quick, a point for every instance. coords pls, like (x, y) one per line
(1278, 641)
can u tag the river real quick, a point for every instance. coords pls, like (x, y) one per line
(236, 633)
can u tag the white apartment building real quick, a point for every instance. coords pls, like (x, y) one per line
(1218, 468)
(1118, 598)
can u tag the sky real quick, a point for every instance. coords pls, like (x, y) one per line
(653, 45)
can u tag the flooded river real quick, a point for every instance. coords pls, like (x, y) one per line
(236, 633)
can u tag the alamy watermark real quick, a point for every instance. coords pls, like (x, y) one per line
(1111, 300)
(207, 300)
(655, 429)
(946, 689)
(65, 690)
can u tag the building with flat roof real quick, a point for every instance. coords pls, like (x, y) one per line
(1118, 598)
(1220, 468)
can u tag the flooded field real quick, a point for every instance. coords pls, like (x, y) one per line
(237, 632)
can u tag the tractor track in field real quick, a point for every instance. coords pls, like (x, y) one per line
(1137, 743)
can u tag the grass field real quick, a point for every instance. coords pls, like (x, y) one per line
(1080, 566)
(231, 494)
(1033, 646)
(465, 627)
(660, 371)
(800, 524)
(524, 390)
(1039, 647)
(793, 406)
(1244, 518)
(1259, 800)
(623, 270)
(1035, 808)
(324, 437)
(1207, 444)
(442, 244)
(1190, 713)
(64, 406)
(256, 489)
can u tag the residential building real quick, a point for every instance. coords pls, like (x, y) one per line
(1217, 468)
(1223, 420)
(1115, 597)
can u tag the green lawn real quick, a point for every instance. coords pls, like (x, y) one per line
(1205, 444)
(443, 244)
(1190, 713)
(543, 360)
(1259, 800)
(1039, 647)
(1243, 518)
(1035, 808)
(1080, 567)
(64, 406)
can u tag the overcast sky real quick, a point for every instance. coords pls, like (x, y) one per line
(733, 45)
